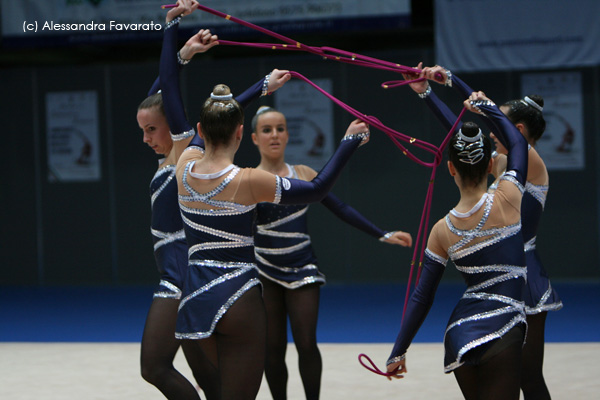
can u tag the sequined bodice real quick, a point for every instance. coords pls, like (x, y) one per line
(282, 233)
(488, 265)
(223, 232)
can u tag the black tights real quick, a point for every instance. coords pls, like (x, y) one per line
(497, 378)
(237, 347)
(159, 347)
(301, 305)
(532, 382)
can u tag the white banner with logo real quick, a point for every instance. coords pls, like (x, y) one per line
(309, 116)
(488, 35)
(562, 145)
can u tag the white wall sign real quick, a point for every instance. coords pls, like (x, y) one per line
(72, 136)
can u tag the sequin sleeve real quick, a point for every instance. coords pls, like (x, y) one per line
(441, 111)
(170, 86)
(250, 94)
(349, 215)
(419, 304)
(518, 157)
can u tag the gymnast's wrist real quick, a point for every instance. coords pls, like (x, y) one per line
(181, 58)
(265, 87)
(396, 359)
(426, 93)
(386, 236)
(363, 136)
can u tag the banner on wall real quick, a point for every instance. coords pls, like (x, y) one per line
(309, 116)
(99, 21)
(72, 136)
(488, 35)
(562, 145)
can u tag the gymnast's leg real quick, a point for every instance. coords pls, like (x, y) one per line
(159, 347)
(203, 363)
(275, 369)
(303, 309)
(241, 339)
(532, 382)
(497, 378)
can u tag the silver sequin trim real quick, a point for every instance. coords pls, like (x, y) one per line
(511, 177)
(236, 209)
(426, 93)
(281, 221)
(494, 335)
(167, 237)
(293, 270)
(221, 264)
(283, 250)
(168, 169)
(233, 240)
(296, 284)
(277, 198)
(436, 258)
(530, 245)
(182, 136)
(542, 306)
(395, 359)
(201, 335)
(479, 103)
(200, 149)
(174, 291)
(538, 192)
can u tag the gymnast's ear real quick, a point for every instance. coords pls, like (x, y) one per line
(451, 168)
(199, 129)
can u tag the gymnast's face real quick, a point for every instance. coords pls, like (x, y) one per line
(156, 130)
(271, 134)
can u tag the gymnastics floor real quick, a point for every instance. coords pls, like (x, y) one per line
(83, 343)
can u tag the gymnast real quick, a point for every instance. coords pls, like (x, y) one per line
(540, 297)
(159, 346)
(287, 264)
(482, 236)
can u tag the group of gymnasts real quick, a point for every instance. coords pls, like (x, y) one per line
(235, 257)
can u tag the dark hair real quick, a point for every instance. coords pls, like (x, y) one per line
(519, 111)
(471, 169)
(154, 100)
(261, 110)
(220, 118)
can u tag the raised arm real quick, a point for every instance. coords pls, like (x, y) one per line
(505, 131)
(267, 85)
(424, 90)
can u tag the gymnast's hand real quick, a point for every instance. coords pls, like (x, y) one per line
(401, 238)
(437, 74)
(418, 87)
(278, 78)
(356, 127)
(199, 43)
(475, 96)
(397, 370)
(184, 7)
